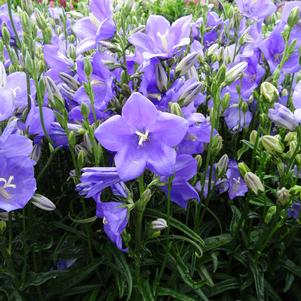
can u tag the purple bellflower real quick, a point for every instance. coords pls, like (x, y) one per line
(160, 38)
(17, 182)
(115, 219)
(181, 191)
(294, 210)
(97, 27)
(256, 9)
(283, 117)
(142, 137)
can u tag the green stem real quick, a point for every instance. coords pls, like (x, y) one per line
(13, 24)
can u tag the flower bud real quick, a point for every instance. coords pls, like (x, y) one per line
(253, 182)
(253, 137)
(52, 90)
(69, 80)
(199, 160)
(217, 144)
(283, 117)
(290, 136)
(221, 73)
(190, 94)
(294, 17)
(159, 224)
(235, 72)
(85, 110)
(272, 144)
(269, 92)
(226, 101)
(5, 35)
(243, 168)
(28, 63)
(42, 202)
(26, 22)
(3, 77)
(36, 152)
(176, 109)
(186, 63)
(72, 139)
(271, 212)
(161, 78)
(212, 49)
(40, 19)
(298, 159)
(88, 68)
(283, 196)
(292, 148)
(81, 158)
(222, 166)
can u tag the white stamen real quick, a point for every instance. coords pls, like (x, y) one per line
(104, 221)
(142, 137)
(163, 40)
(7, 184)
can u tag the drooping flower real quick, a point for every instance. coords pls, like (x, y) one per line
(115, 219)
(256, 9)
(283, 117)
(237, 186)
(95, 179)
(13, 92)
(181, 191)
(98, 26)
(294, 210)
(160, 38)
(273, 48)
(142, 137)
(17, 182)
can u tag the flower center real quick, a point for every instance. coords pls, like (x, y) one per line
(6, 184)
(163, 40)
(142, 137)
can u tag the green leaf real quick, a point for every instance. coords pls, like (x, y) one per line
(292, 267)
(146, 291)
(214, 242)
(123, 266)
(223, 286)
(37, 279)
(235, 221)
(176, 224)
(289, 280)
(184, 272)
(174, 294)
(85, 220)
(271, 292)
(258, 276)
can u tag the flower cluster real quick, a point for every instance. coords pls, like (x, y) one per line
(193, 110)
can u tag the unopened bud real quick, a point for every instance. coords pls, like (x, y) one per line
(190, 93)
(253, 182)
(271, 212)
(42, 202)
(243, 168)
(253, 137)
(176, 109)
(222, 166)
(88, 68)
(283, 196)
(220, 77)
(294, 17)
(159, 224)
(269, 92)
(161, 77)
(186, 63)
(5, 35)
(199, 160)
(272, 144)
(217, 144)
(226, 101)
(235, 72)
(70, 81)
(290, 136)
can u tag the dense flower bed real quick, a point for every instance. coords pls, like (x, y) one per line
(146, 158)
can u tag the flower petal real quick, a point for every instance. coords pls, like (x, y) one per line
(114, 133)
(139, 111)
(170, 129)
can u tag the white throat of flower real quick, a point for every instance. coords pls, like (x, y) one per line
(6, 184)
(163, 39)
(142, 137)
